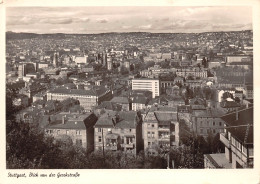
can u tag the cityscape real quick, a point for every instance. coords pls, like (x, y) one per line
(91, 88)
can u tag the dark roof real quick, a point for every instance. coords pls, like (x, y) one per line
(229, 104)
(140, 100)
(162, 116)
(120, 100)
(211, 113)
(126, 120)
(73, 121)
(237, 126)
(90, 92)
(110, 106)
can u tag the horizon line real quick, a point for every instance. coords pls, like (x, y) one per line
(129, 32)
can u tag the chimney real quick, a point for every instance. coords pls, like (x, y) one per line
(117, 118)
(63, 119)
(236, 114)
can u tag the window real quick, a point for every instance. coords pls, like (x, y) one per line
(213, 123)
(214, 131)
(152, 134)
(122, 140)
(153, 125)
(148, 134)
(99, 129)
(173, 139)
(67, 132)
(99, 139)
(77, 132)
(130, 130)
(220, 124)
(149, 144)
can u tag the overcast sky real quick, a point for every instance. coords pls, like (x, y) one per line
(127, 19)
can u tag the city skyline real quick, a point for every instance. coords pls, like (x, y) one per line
(88, 20)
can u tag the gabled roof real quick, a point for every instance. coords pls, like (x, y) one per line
(238, 126)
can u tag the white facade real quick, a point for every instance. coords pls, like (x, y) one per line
(152, 85)
(81, 60)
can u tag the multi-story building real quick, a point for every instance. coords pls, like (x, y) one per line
(123, 101)
(238, 140)
(207, 121)
(194, 72)
(160, 131)
(74, 127)
(119, 131)
(87, 98)
(139, 103)
(152, 85)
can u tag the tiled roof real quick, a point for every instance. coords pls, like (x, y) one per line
(126, 120)
(236, 126)
(109, 106)
(166, 116)
(214, 113)
(83, 92)
(120, 100)
(73, 121)
(140, 100)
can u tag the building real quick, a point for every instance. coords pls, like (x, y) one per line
(77, 128)
(139, 103)
(87, 98)
(123, 101)
(238, 58)
(207, 121)
(152, 85)
(194, 72)
(81, 59)
(238, 140)
(119, 131)
(160, 131)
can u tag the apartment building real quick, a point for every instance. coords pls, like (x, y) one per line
(207, 121)
(160, 131)
(116, 131)
(146, 84)
(77, 128)
(238, 140)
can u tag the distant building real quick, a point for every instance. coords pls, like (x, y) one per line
(123, 101)
(139, 103)
(152, 85)
(194, 72)
(81, 59)
(87, 98)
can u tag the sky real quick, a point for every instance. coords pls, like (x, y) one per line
(160, 19)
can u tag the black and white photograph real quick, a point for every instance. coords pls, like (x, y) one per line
(129, 87)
